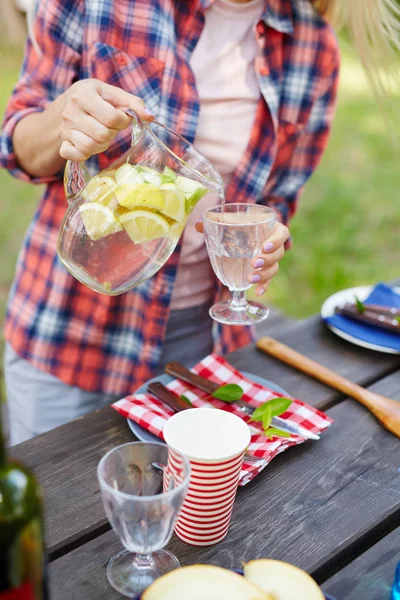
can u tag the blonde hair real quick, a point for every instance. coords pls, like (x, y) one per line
(374, 26)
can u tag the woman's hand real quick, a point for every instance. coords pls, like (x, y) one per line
(90, 118)
(266, 265)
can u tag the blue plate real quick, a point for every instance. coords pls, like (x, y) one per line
(145, 436)
(240, 572)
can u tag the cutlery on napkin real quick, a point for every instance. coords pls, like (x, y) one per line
(176, 404)
(152, 414)
(382, 295)
(379, 316)
(385, 410)
(178, 370)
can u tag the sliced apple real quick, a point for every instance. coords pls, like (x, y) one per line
(282, 580)
(129, 174)
(203, 582)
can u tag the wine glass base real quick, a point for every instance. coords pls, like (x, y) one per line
(131, 580)
(245, 314)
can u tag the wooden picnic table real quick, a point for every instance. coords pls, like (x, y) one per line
(332, 507)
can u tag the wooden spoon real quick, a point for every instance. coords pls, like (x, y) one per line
(386, 411)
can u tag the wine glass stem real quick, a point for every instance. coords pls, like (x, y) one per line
(238, 301)
(143, 561)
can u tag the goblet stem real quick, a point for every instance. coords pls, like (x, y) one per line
(238, 300)
(143, 561)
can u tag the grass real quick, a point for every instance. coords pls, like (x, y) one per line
(347, 228)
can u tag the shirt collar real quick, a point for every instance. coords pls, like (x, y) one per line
(278, 14)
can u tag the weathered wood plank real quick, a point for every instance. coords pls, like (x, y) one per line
(312, 506)
(371, 575)
(312, 338)
(65, 459)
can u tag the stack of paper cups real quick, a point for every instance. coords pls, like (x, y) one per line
(215, 442)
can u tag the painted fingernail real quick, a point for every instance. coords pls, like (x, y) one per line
(268, 247)
(148, 113)
(255, 279)
(261, 292)
(260, 262)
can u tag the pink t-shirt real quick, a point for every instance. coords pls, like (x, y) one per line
(223, 64)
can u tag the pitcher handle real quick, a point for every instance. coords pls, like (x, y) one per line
(76, 175)
(137, 124)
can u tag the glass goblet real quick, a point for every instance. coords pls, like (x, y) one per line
(142, 498)
(235, 234)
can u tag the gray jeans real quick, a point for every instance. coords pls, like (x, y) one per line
(38, 401)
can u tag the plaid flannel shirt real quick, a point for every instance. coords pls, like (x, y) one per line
(112, 344)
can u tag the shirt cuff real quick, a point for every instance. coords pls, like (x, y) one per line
(8, 158)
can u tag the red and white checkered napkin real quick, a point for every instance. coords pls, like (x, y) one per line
(152, 414)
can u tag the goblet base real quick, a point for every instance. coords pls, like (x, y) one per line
(247, 313)
(130, 577)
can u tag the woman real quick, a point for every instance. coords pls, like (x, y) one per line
(251, 82)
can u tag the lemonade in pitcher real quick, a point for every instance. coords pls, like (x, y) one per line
(123, 224)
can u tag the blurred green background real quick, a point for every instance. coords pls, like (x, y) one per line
(346, 231)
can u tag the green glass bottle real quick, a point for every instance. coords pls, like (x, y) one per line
(22, 557)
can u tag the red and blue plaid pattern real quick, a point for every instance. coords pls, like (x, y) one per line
(152, 414)
(112, 344)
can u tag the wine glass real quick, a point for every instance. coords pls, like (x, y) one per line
(142, 498)
(235, 234)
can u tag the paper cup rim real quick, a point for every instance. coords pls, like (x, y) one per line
(169, 434)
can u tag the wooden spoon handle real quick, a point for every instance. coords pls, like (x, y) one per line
(387, 411)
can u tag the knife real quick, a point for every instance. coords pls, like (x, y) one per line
(178, 370)
(173, 401)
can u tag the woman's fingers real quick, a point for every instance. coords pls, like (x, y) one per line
(279, 237)
(264, 261)
(92, 116)
(266, 265)
(84, 146)
(119, 98)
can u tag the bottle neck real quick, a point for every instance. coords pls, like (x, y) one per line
(3, 434)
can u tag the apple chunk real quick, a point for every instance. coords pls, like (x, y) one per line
(282, 580)
(203, 582)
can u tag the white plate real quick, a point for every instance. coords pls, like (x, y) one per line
(328, 310)
(145, 436)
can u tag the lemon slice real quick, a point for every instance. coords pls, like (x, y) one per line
(99, 220)
(174, 202)
(176, 230)
(143, 195)
(99, 189)
(144, 225)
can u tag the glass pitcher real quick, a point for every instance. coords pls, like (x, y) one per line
(123, 224)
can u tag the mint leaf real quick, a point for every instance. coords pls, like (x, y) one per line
(184, 399)
(267, 417)
(397, 318)
(359, 305)
(228, 393)
(275, 432)
(279, 406)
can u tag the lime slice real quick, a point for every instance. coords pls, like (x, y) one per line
(143, 195)
(168, 175)
(174, 202)
(129, 174)
(99, 189)
(192, 200)
(144, 225)
(99, 220)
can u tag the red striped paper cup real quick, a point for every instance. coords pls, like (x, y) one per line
(215, 442)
